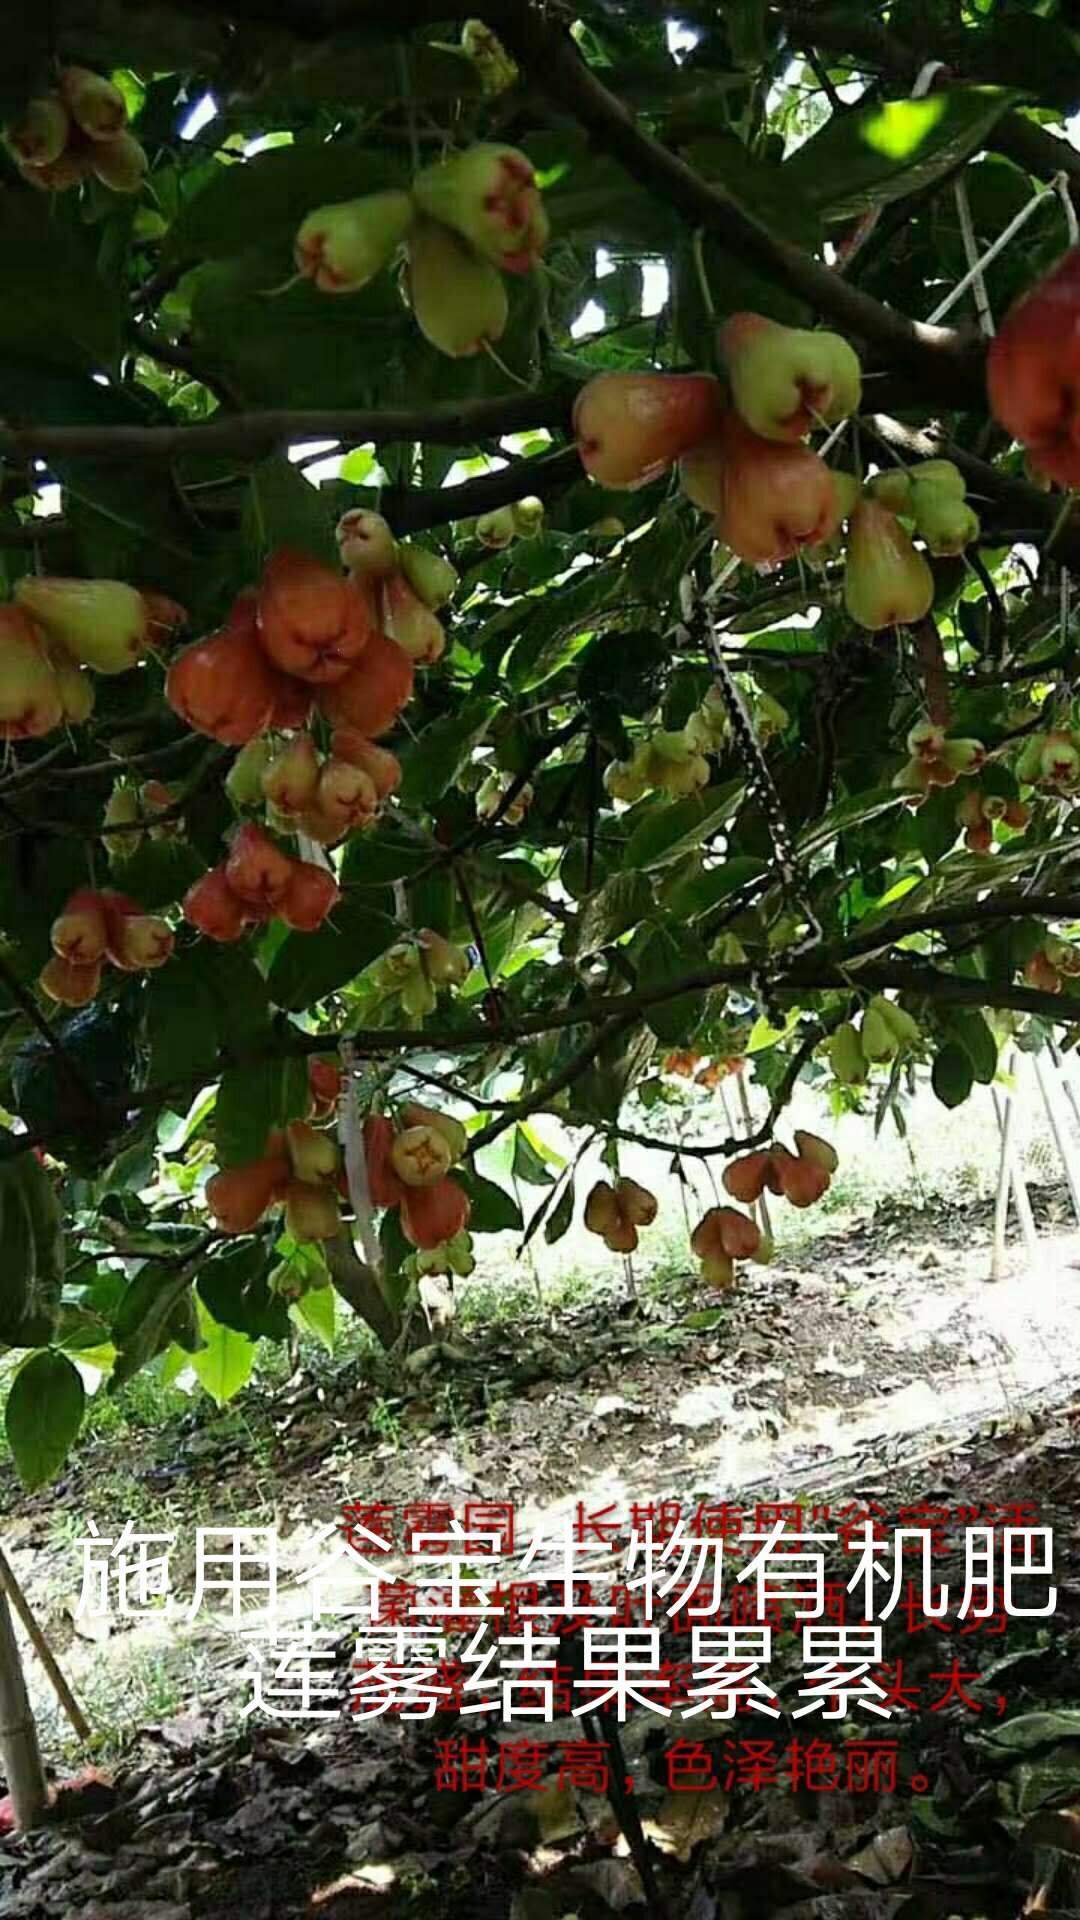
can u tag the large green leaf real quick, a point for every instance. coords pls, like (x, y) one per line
(251, 1101)
(307, 966)
(43, 1415)
(235, 1286)
(266, 197)
(56, 306)
(670, 952)
(889, 150)
(662, 833)
(434, 759)
(620, 903)
(226, 1361)
(31, 1234)
(207, 998)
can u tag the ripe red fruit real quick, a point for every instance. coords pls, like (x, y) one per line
(290, 780)
(292, 702)
(810, 1146)
(223, 686)
(373, 694)
(746, 1178)
(385, 1188)
(1041, 972)
(68, 983)
(30, 699)
(212, 906)
(801, 1181)
(630, 426)
(140, 940)
(256, 870)
(1033, 372)
(80, 932)
(770, 498)
(240, 1196)
(726, 1230)
(313, 621)
(325, 1081)
(311, 894)
(430, 1215)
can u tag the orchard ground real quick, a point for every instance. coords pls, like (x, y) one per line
(875, 1337)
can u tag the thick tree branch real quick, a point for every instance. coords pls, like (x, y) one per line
(412, 509)
(246, 436)
(1036, 510)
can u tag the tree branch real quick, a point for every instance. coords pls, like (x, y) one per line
(246, 436)
(412, 509)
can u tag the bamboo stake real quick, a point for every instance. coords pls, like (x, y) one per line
(1001, 1198)
(1021, 1197)
(1060, 1141)
(19, 1748)
(9, 1586)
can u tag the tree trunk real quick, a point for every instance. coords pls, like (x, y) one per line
(358, 1283)
(18, 1735)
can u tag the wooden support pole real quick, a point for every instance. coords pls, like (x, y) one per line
(1021, 1196)
(19, 1748)
(10, 1587)
(1001, 1199)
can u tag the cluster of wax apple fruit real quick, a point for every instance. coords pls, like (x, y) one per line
(936, 761)
(685, 1064)
(725, 1235)
(258, 882)
(1054, 960)
(57, 628)
(884, 1031)
(323, 796)
(95, 927)
(134, 812)
(416, 968)
(301, 1169)
(1050, 761)
(462, 224)
(409, 1169)
(63, 137)
(978, 812)
(616, 1212)
(739, 445)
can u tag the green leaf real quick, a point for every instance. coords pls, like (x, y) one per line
(528, 1164)
(670, 952)
(251, 1101)
(432, 761)
(952, 1076)
(265, 198)
(558, 630)
(43, 1416)
(235, 1286)
(970, 1030)
(31, 1233)
(207, 997)
(284, 510)
(226, 1362)
(562, 1213)
(316, 1311)
(493, 1209)
(144, 1318)
(884, 152)
(624, 900)
(626, 669)
(664, 832)
(57, 308)
(308, 966)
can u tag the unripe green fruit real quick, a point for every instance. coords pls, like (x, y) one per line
(627, 780)
(431, 577)
(496, 529)
(941, 475)
(489, 196)
(122, 809)
(120, 164)
(904, 1029)
(40, 134)
(528, 517)
(496, 68)
(846, 1056)
(343, 246)
(675, 765)
(946, 524)
(418, 996)
(95, 105)
(879, 1042)
(243, 783)
(892, 489)
(785, 380)
(458, 299)
(1029, 761)
(102, 623)
(886, 583)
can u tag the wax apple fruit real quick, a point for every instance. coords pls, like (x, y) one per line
(489, 196)
(382, 767)
(239, 1197)
(366, 543)
(120, 164)
(1033, 372)
(310, 895)
(211, 905)
(343, 246)
(411, 622)
(420, 1156)
(95, 105)
(256, 870)
(372, 695)
(458, 299)
(313, 622)
(292, 777)
(385, 1187)
(311, 1212)
(629, 427)
(68, 983)
(79, 933)
(769, 498)
(40, 134)
(786, 380)
(428, 574)
(432, 1215)
(886, 582)
(30, 700)
(224, 686)
(102, 623)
